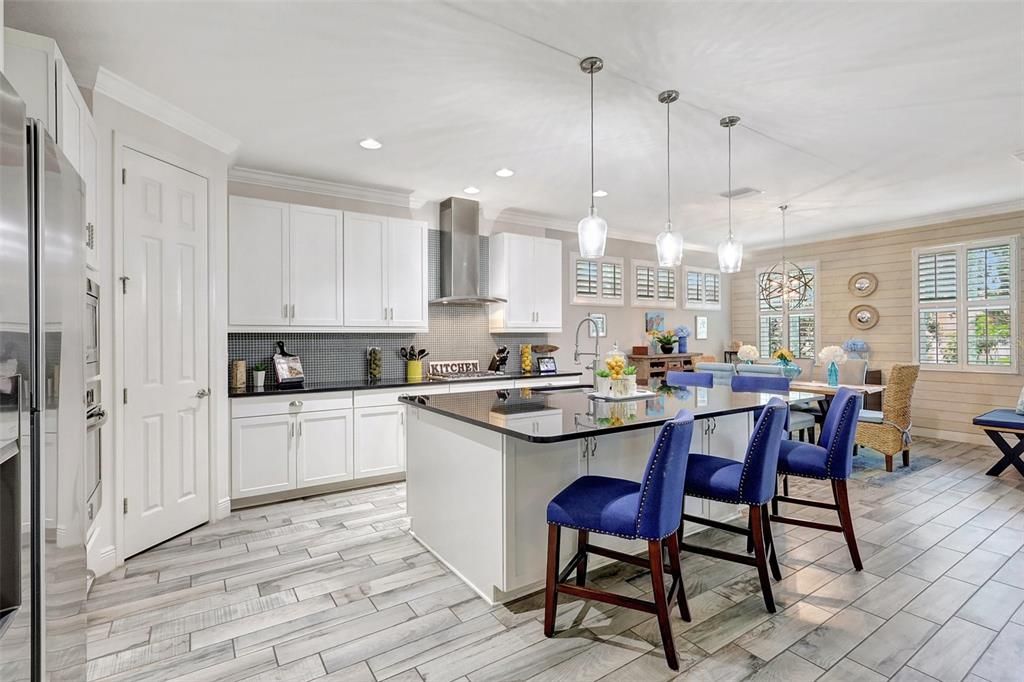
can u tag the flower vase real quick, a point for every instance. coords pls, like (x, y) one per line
(620, 388)
(1020, 402)
(604, 386)
(790, 371)
(258, 378)
(682, 344)
(667, 348)
(631, 384)
(833, 374)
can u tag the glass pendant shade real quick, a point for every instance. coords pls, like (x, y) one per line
(593, 233)
(730, 255)
(670, 247)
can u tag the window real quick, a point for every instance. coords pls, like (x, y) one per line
(965, 305)
(784, 324)
(703, 289)
(598, 281)
(653, 286)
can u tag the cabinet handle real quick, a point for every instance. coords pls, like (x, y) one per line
(284, 311)
(295, 403)
(291, 430)
(293, 311)
(300, 429)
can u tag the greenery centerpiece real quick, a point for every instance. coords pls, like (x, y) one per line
(665, 339)
(784, 358)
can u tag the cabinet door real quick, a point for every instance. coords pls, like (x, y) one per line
(324, 447)
(547, 269)
(258, 262)
(728, 437)
(262, 455)
(71, 108)
(406, 267)
(520, 309)
(90, 175)
(315, 266)
(380, 440)
(364, 277)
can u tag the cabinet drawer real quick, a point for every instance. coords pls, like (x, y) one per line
(474, 386)
(547, 381)
(390, 396)
(290, 404)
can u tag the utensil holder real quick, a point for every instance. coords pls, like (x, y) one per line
(414, 370)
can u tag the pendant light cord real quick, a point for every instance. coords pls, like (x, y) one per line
(668, 162)
(592, 140)
(730, 184)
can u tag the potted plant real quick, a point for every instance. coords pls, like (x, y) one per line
(784, 357)
(604, 382)
(630, 375)
(259, 374)
(748, 354)
(832, 357)
(666, 340)
(683, 334)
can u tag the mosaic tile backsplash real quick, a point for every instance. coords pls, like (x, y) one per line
(457, 332)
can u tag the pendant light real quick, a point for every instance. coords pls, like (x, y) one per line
(592, 230)
(730, 252)
(669, 243)
(786, 284)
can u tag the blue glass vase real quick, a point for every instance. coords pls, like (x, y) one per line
(833, 374)
(682, 344)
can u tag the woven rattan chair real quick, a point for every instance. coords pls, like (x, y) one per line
(888, 431)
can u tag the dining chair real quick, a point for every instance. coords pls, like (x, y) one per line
(722, 371)
(690, 379)
(831, 459)
(806, 366)
(760, 370)
(763, 382)
(888, 431)
(649, 510)
(751, 483)
(853, 372)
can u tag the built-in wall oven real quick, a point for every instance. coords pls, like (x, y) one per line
(95, 415)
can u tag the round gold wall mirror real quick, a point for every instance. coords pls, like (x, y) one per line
(863, 284)
(864, 317)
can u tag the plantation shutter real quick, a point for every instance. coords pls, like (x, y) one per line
(611, 280)
(666, 284)
(936, 277)
(645, 283)
(586, 277)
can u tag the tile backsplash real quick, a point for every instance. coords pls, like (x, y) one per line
(457, 332)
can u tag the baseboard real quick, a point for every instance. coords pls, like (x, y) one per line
(978, 438)
(311, 491)
(223, 508)
(106, 561)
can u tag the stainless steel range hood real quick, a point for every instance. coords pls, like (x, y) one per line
(460, 253)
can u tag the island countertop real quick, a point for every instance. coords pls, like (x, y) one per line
(558, 415)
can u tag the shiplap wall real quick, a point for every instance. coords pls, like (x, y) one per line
(944, 402)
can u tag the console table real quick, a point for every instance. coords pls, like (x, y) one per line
(657, 366)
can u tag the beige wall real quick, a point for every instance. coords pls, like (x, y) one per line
(944, 402)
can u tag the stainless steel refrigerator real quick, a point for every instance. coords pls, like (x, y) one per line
(42, 418)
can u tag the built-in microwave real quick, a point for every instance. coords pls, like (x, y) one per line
(92, 328)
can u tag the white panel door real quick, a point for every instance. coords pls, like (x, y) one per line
(72, 108)
(547, 269)
(406, 266)
(315, 266)
(324, 447)
(521, 282)
(379, 440)
(90, 175)
(166, 353)
(365, 285)
(262, 455)
(257, 262)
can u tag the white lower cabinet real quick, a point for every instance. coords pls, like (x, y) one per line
(262, 455)
(324, 447)
(727, 437)
(379, 440)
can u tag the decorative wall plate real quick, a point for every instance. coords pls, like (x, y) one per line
(863, 284)
(864, 316)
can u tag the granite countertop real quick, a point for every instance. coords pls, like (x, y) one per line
(386, 382)
(568, 413)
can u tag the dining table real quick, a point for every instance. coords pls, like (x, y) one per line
(827, 392)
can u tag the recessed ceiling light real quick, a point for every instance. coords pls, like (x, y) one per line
(600, 193)
(471, 190)
(370, 143)
(504, 172)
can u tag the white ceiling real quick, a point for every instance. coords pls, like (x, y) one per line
(856, 114)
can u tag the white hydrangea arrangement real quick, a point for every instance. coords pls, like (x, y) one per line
(748, 353)
(830, 354)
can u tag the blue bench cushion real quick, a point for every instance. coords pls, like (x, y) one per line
(1004, 418)
(598, 503)
(714, 478)
(803, 459)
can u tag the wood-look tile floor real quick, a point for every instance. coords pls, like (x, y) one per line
(334, 588)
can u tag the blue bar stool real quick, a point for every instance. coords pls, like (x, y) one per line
(831, 460)
(706, 379)
(649, 510)
(750, 482)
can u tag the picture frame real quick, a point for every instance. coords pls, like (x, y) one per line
(701, 325)
(546, 365)
(602, 325)
(654, 321)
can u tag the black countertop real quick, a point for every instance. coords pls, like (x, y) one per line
(366, 384)
(556, 415)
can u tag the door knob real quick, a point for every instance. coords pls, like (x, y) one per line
(202, 393)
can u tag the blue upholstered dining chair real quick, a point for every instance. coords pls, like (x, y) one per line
(649, 510)
(690, 379)
(760, 382)
(830, 459)
(750, 482)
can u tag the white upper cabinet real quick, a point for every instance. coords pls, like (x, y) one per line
(258, 246)
(385, 273)
(90, 174)
(527, 272)
(315, 267)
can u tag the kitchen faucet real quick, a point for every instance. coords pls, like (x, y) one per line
(596, 354)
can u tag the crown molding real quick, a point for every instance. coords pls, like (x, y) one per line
(375, 195)
(982, 211)
(127, 93)
(548, 222)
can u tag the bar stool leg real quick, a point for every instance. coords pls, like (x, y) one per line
(773, 561)
(550, 587)
(660, 601)
(582, 537)
(842, 498)
(906, 458)
(760, 555)
(677, 573)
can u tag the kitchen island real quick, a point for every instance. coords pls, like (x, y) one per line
(482, 467)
